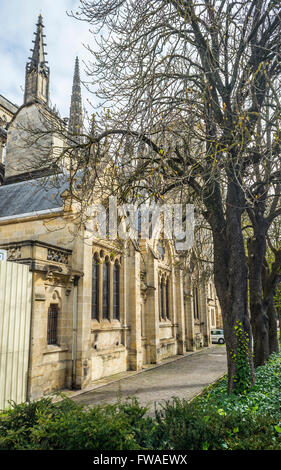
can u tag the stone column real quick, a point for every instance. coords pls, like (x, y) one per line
(82, 260)
(2, 146)
(204, 315)
(159, 297)
(38, 338)
(180, 311)
(134, 309)
(152, 310)
(173, 302)
(123, 301)
(189, 315)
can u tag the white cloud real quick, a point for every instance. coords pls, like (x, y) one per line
(64, 37)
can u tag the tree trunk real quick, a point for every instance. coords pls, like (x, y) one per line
(272, 327)
(270, 279)
(230, 273)
(279, 316)
(269, 288)
(258, 308)
(259, 322)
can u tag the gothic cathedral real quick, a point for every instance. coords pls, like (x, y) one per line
(97, 310)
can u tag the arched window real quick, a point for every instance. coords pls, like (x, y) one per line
(161, 249)
(162, 298)
(105, 289)
(167, 300)
(116, 291)
(195, 303)
(95, 288)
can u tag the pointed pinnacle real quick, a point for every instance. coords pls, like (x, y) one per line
(38, 53)
(76, 77)
(75, 124)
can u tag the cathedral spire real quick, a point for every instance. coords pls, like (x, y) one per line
(37, 71)
(75, 125)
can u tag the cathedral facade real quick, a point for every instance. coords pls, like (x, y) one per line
(98, 309)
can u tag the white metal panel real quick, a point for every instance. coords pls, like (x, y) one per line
(15, 318)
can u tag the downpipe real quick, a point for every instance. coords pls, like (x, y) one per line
(74, 330)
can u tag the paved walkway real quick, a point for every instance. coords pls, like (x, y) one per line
(184, 378)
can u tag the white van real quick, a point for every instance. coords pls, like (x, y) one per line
(217, 336)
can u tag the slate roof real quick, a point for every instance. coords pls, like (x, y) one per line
(32, 196)
(8, 104)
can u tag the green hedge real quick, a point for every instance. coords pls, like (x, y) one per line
(212, 421)
(67, 425)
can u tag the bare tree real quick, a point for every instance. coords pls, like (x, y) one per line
(264, 210)
(184, 84)
(271, 283)
(189, 79)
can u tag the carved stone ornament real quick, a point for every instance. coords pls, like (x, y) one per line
(58, 256)
(50, 276)
(14, 253)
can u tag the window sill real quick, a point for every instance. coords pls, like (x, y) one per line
(165, 323)
(171, 340)
(113, 350)
(106, 325)
(53, 348)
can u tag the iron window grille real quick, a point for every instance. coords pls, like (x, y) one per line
(52, 335)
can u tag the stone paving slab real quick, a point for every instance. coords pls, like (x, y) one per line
(183, 378)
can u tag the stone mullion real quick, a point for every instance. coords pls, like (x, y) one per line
(2, 146)
(189, 314)
(204, 315)
(180, 312)
(123, 293)
(134, 292)
(152, 311)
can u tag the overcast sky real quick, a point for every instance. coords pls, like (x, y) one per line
(64, 37)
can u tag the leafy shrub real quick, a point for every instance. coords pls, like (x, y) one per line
(213, 420)
(17, 423)
(216, 420)
(264, 397)
(67, 425)
(184, 426)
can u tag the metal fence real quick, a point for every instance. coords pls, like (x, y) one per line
(15, 318)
